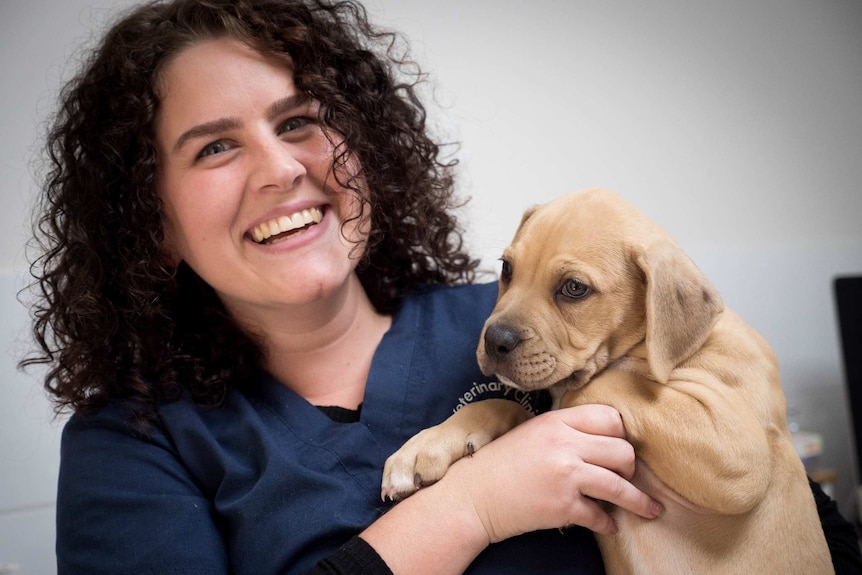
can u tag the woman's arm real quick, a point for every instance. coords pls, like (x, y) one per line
(543, 474)
(359, 558)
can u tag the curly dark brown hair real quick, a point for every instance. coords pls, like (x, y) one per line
(114, 320)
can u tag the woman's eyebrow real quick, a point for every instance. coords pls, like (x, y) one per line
(283, 105)
(206, 129)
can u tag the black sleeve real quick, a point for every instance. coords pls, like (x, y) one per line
(840, 534)
(356, 557)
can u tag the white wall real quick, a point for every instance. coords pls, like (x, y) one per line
(735, 124)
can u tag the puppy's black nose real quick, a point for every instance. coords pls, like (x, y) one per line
(500, 340)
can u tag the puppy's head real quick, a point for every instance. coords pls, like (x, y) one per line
(587, 278)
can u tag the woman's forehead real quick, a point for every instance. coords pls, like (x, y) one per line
(219, 78)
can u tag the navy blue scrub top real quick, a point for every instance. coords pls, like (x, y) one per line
(267, 483)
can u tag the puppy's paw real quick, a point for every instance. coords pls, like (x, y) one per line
(424, 459)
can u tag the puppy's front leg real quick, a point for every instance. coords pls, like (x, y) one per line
(699, 437)
(427, 455)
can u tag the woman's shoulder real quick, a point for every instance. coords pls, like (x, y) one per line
(124, 494)
(108, 437)
(476, 298)
(456, 291)
(445, 311)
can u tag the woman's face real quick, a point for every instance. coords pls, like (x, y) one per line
(244, 175)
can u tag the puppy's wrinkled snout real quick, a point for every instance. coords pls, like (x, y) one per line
(500, 340)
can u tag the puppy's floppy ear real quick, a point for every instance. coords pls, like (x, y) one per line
(681, 306)
(527, 213)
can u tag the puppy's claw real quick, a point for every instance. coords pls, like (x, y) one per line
(389, 497)
(397, 485)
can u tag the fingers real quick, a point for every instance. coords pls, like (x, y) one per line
(605, 485)
(600, 436)
(612, 453)
(594, 419)
(588, 513)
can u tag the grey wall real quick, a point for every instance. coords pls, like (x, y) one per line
(737, 125)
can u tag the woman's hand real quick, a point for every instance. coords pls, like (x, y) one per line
(549, 471)
(545, 473)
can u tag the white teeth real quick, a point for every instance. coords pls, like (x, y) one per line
(284, 224)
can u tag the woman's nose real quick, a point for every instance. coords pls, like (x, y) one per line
(276, 167)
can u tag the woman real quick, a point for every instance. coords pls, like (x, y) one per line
(248, 279)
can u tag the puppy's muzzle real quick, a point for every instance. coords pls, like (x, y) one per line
(500, 341)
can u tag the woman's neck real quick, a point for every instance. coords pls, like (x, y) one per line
(323, 351)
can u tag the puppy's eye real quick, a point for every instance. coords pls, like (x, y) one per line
(574, 289)
(506, 271)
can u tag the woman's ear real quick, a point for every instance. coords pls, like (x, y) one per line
(681, 306)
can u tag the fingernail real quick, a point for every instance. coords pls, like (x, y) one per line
(656, 509)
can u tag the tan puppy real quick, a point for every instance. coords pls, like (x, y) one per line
(598, 304)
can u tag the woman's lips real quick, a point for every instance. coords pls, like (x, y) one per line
(285, 225)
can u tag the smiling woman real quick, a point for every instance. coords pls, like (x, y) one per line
(253, 289)
(240, 150)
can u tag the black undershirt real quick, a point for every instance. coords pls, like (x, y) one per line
(341, 414)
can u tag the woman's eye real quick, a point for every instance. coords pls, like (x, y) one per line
(293, 124)
(574, 289)
(212, 149)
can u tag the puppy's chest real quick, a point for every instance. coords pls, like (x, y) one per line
(667, 545)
